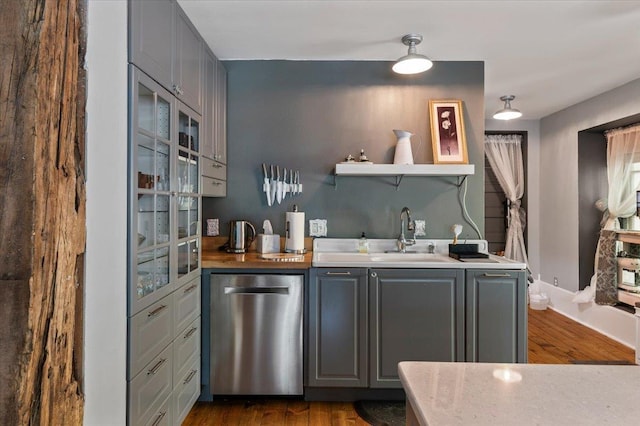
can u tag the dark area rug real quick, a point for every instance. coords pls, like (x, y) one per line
(382, 413)
(602, 362)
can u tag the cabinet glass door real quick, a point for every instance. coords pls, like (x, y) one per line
(151, 212)
(188, 202)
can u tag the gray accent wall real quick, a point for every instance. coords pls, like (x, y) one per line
(592, 185)
(559, 189)
(308, 116)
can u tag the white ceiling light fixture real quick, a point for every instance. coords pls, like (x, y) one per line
(412, 62)
(507, 113)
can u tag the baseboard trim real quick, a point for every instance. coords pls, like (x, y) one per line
(612, 322)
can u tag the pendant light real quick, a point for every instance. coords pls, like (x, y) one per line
(412, 63)
(507, 113)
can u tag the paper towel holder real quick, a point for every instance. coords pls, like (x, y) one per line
(289, 237)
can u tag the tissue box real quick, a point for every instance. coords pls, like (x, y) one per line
(268, 243)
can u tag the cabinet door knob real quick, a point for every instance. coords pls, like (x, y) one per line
(374, 275)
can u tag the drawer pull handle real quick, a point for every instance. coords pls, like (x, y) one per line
(190, 288)
(190, 376)
(217, 166)
(496, 275)
(190, 332)
(155, 368)
(156, 311)
(338, 273)
(159, 418)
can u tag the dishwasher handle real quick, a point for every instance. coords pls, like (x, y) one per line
(256, 290)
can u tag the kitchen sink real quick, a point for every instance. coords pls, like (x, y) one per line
(348, 259)
(343, 253)
(410, 257)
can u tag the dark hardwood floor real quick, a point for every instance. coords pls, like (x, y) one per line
(553, 339)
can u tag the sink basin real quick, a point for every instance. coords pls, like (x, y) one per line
(342, 257)
(409, 257)
(381, 259)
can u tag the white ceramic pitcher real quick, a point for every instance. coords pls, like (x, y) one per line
(403, 153)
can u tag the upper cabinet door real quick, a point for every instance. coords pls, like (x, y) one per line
(221, 114)
(187, 77)
(152, 38)
(209, 106)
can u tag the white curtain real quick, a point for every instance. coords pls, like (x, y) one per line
(504, 153)
(623, 147)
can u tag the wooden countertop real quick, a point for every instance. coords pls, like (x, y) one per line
(213, 257)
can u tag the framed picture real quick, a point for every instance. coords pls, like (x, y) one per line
(447, 132)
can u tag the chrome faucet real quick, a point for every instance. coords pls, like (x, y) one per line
(402, 241)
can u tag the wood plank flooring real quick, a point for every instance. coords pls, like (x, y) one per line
(553, 339)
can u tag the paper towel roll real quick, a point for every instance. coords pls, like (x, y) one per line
(294, 242)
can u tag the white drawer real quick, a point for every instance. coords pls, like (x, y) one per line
(213, 187)
(163, 416)
(150, 330)
(151, 388)
(213, 169)
(185, 392)
(186, 349)
(186, 305)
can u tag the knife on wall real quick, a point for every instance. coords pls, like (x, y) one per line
(266, 185)
(274, 185)
(285, 186)
(278, 186)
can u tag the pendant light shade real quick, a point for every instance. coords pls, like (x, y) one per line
(507, 113)
(412, 62)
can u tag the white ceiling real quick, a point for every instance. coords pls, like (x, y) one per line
(549, 54)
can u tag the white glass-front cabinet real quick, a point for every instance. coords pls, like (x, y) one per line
(164, 254)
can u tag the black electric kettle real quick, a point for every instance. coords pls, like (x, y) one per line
(241, 235)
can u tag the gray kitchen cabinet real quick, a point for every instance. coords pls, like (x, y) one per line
(214, 141)
(163, 254)
(152, 38)
(165, 45)
(187, 66)
(496, 316)
(338, 328)
(414, 315)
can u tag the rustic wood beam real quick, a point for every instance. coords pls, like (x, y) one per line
(42, 210)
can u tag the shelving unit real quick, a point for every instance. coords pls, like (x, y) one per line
(401, 170)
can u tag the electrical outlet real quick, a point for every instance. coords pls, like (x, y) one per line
(318, 227)
(420, 228)
(555, 281)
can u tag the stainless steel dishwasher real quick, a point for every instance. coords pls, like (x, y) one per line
(256, 334)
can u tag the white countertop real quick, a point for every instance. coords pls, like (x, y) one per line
(457, 393)
(343, 253)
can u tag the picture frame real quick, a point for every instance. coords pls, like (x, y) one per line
(447, 132)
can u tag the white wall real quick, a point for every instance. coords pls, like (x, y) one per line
(558, 205)
(532, 127)
(105, 332)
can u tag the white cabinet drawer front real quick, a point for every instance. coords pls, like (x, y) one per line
(186, 349)
(151, 388)
(213, 169)
(163, 416)
(186, 391)
(150, 330)
(186, 305)
(213, 187)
